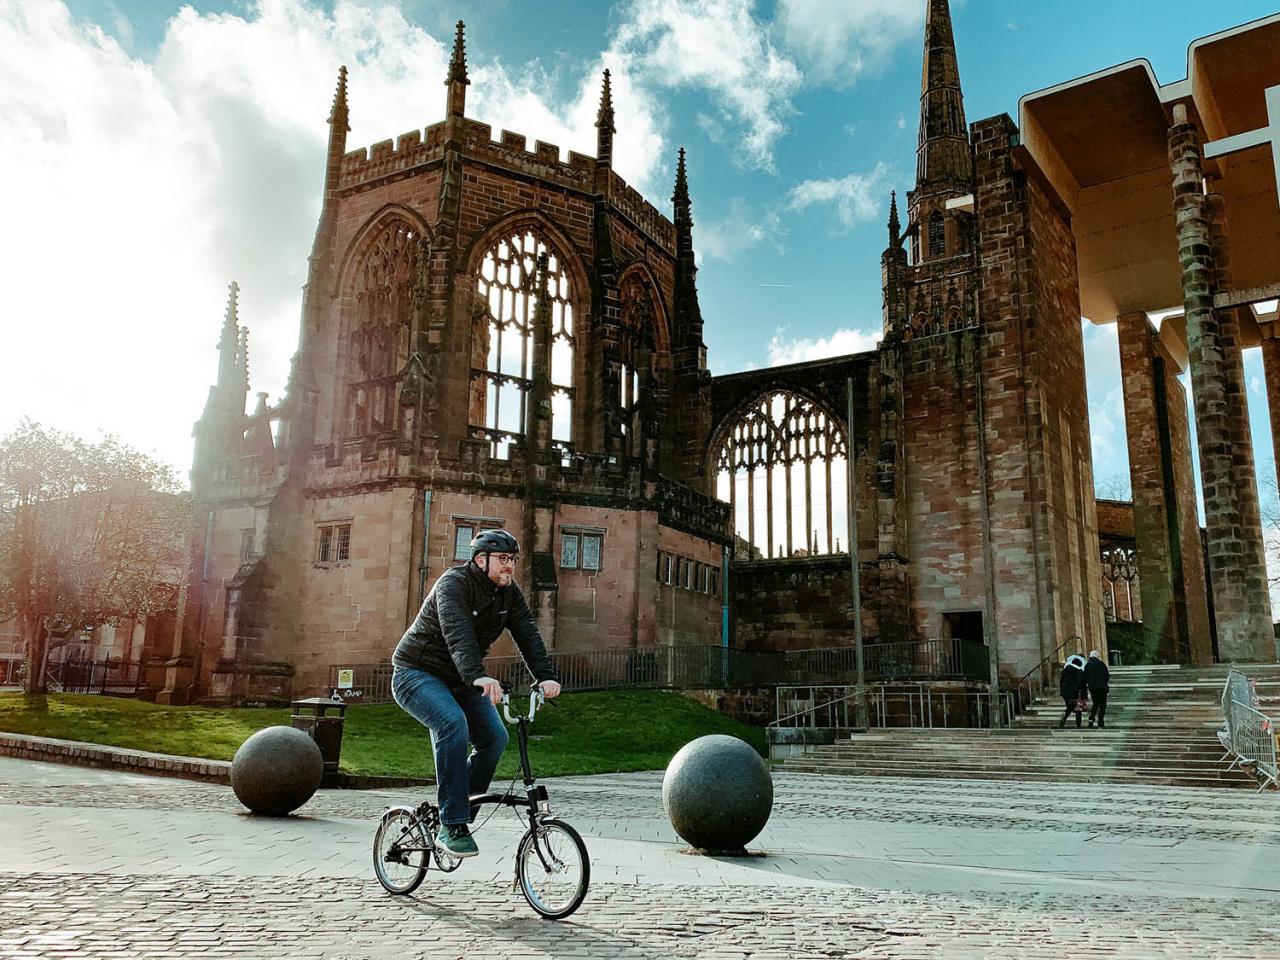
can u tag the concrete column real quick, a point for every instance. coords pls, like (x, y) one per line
(1236, 564)
(1171, 579)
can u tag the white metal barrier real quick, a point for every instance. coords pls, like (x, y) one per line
(1249, 736)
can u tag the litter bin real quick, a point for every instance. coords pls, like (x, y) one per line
(322, 719)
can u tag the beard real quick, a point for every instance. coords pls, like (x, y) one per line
(504, 579)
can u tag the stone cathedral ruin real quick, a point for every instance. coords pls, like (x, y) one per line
(495, 335)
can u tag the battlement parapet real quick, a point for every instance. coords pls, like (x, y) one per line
(391, 156)
(510, 151)
(543, 161)
(628, 201)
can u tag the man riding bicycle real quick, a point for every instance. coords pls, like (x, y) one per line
(440, 680)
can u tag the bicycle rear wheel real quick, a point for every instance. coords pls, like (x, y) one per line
(553, 869)
(401, 851)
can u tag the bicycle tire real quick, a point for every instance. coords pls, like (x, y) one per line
(564, 846)
(395, 825)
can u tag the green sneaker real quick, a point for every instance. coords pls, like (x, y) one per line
(456, 838)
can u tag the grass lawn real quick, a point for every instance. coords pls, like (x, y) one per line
(582, 733)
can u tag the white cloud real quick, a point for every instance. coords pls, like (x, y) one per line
(838, 40)
(783, 350)
(150, 182)
(737, 231)
(857, 197)
(718, 46)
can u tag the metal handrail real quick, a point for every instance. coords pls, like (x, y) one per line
(919, 703)
(1039, 671)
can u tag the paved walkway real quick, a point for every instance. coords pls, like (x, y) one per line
(98, 863)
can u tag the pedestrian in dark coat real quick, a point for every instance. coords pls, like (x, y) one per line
(1098, 679)
(1072, 687)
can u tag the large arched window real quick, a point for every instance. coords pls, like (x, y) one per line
(510, 286)
(783, 465)
(379, 344)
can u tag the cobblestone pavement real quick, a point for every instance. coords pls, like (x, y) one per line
(105, 864)
(83, 916)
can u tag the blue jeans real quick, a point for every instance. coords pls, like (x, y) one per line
(453, 721)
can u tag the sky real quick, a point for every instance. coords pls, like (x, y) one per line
(157, 151)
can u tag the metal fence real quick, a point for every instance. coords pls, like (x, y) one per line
(712, 668)
(890, 705)
(1249, 735)
(113, 677)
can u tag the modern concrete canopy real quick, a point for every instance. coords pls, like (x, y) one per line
(1112, 145)
(1102, 142)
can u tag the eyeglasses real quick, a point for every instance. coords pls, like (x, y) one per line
(506, 559)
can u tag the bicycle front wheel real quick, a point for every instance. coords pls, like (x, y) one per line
(401, 851)
(553, 869)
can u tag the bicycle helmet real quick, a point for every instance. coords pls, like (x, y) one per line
(494, 541)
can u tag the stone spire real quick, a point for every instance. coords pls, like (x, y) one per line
(242, 362)
(688, 314)
(457, 81)
(229, 342)
(895, 226)
(338, 112)
(942, 157)
(680, 198)
(338, 129)
(604, 123)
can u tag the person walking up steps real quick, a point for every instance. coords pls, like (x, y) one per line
(1098, 679)
(1071, 685)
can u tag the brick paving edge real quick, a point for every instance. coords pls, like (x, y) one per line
(82, 754)
(78, 753)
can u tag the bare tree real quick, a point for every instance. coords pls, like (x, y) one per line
(1114, 486)
(89, 534)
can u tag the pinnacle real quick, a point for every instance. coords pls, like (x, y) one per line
(233, 304)
(895, 225)
(604, 117)
(458, 62)
(338, 113)
(682, 183)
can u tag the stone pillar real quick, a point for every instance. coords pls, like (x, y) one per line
(1175, 609)
(1237, 567)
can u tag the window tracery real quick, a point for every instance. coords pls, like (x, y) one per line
(1119, 571)
(509, 287)
(379, 344)
(783, 466)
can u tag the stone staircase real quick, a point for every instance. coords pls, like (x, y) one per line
(1161, 730)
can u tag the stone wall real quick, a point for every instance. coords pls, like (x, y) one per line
(792, 604)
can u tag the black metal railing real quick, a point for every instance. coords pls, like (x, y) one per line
(113, 677)
(712, 668)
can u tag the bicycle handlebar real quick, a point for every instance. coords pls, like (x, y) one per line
(536, 700)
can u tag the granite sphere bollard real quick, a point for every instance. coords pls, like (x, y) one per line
(276, 771)
(717, 793)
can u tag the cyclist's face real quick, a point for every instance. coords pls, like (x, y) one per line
(502, 568)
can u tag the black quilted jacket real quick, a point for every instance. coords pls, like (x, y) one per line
(461, 618)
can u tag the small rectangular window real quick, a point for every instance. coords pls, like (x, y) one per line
(569, 551)
(714, 583)
(667, 563)
(690, 572)
(342, 543)
(591, 551)
(246, 545)
(462, 538)
(324, 545)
